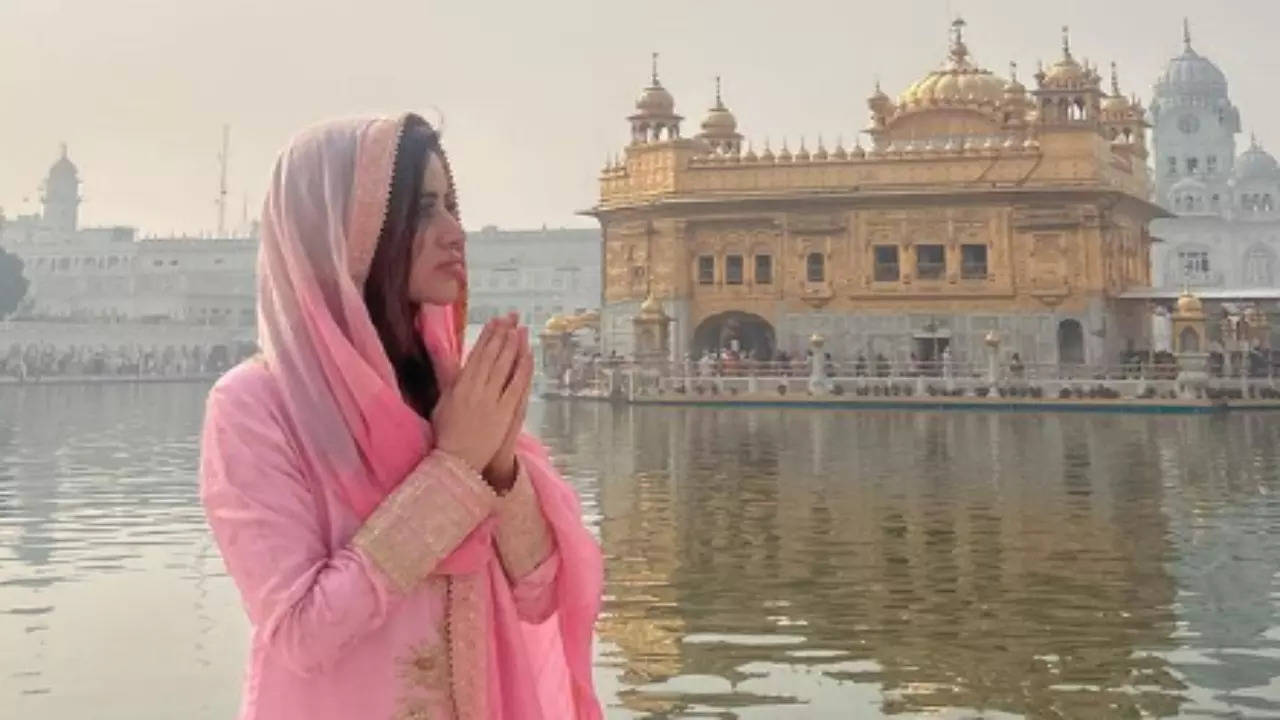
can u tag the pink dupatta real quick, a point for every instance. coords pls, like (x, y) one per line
(323, 214)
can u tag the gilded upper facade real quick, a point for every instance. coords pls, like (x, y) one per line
(971, 193)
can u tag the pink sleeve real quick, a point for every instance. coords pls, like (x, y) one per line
(528, 551)
(309, 602)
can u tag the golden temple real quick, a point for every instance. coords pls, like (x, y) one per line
(975, 205)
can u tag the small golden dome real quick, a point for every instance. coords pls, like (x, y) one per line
(655, 100)
(651, 307)
(1067, 74)
(817, 340)
(556, 324)
(719, 121)
(1189, 304)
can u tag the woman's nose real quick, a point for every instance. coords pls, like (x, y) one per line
(453, 236)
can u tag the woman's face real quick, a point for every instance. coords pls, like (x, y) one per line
(438, 273)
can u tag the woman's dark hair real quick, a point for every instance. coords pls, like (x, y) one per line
(386, 290)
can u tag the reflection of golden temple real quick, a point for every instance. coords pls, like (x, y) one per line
(977, 202)
(1031, 578)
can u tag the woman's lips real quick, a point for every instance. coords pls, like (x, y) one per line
(453, 267)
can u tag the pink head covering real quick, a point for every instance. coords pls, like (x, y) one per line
(323, 216)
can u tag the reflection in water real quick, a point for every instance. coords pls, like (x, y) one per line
(760, 563)
(768, 563)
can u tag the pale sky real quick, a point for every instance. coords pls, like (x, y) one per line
(534, 92)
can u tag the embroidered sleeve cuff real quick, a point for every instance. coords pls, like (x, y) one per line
(524, 538)
(424, 519)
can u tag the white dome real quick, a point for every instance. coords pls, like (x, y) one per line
(1191, 74)
(1257, 164)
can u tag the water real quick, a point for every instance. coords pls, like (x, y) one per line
(760, 563)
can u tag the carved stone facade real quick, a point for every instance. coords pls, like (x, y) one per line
(984, 207)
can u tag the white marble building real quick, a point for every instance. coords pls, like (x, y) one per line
(536, 273)
(151, 291)
(1224, 240)
(108, 274)
(169, 305)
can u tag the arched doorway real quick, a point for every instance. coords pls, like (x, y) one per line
(754, 335)
(1188, 341)
(1070, 343)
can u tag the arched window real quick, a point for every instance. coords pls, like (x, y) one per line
(1189, 341)
(815, 268)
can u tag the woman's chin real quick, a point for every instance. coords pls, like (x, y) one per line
(445, 291)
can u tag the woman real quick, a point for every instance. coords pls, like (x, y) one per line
(401, 550)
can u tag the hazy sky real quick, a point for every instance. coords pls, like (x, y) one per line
(534, 93)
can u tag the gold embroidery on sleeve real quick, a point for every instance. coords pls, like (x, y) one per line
(424, 519)
(524, 538)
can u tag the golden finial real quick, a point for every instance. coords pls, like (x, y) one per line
(1186, 33)
(1013, 71)
(719, 102)
(1115, 80)
(654, 77)
(1066, 42)
(958, 50)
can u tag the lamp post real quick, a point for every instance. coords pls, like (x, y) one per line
(993, 359)
(817, 365)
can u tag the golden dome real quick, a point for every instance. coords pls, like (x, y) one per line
(958, 82)
(1116, 103)
(655, 100)
(1189, 304)
(719, 121)
(556, 324)
(651, 308)
(1067, 74)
